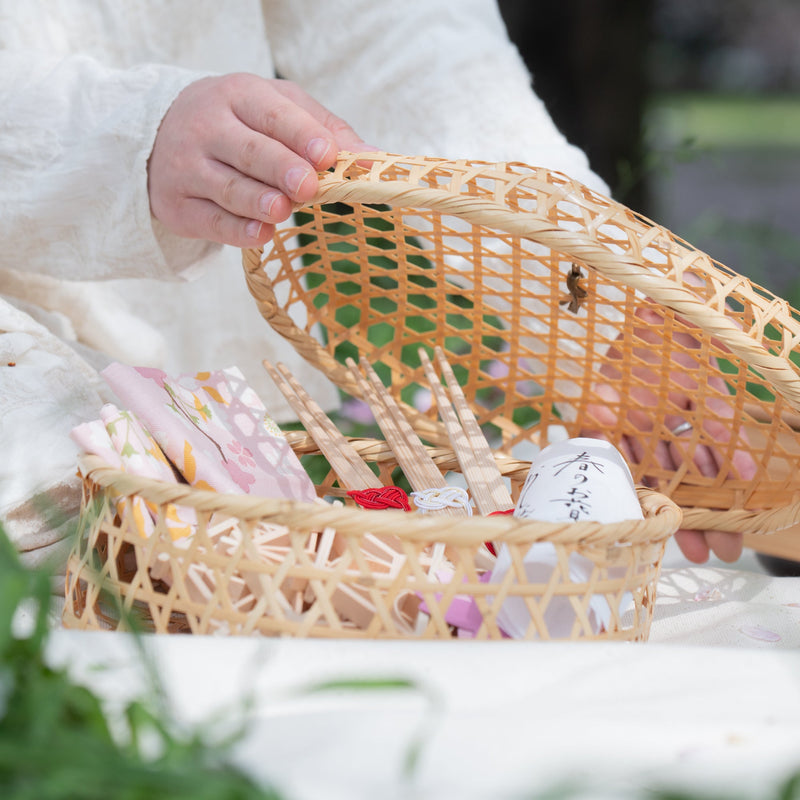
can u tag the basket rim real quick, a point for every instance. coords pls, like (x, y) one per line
(662, 517)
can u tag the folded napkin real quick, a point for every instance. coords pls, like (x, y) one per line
(215, 430)
(93, 438)
(122, 442)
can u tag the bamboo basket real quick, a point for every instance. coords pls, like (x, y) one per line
(396, 253)
(116, 578)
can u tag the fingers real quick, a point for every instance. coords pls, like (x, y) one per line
(709, 449)
(697, 546)
(726, 546)
(234, 153)
(240, 194)
(710, 458)
(273, 140)
(693, 545)
(743, 464)
(706, 459)
(345, 137)
(282, 111)
(219, 225)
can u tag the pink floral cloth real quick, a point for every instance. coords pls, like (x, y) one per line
(215, 430)
(120, 440)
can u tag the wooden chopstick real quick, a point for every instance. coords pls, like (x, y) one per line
(412, 456)
(351, 469)
(475, 457)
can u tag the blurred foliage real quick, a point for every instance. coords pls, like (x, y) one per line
(723, 121)
(56, 742)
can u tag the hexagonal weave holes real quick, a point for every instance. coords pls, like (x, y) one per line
(277, 568)
(396, 253)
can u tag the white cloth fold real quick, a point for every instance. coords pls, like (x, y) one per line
(45, 389)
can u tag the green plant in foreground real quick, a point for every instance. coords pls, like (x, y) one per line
(55, 739)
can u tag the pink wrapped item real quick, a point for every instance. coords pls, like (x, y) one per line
(215, 430)
(121, 441)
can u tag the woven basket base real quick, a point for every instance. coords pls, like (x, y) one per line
(276, 568)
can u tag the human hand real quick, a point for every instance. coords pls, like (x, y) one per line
(233, 153)
(672, 454)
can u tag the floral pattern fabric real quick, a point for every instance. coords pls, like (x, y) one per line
(215, 430)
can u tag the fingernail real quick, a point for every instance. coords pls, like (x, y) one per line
(267, 201)
(295, 177)
(253, 228)
(317, 149)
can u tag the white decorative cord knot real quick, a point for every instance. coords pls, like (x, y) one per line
(438, 499)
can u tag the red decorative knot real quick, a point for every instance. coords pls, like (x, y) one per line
(489, 545)
(384, 497)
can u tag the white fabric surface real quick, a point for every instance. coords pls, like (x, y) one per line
(725, 605)
(717, 606)
(498, 719)
(83, 87)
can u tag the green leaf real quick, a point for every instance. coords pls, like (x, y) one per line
(56, 742)
(361, 684)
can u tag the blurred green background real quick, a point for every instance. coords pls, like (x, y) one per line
(690, 111)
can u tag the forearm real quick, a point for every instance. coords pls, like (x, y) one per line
(74, 146)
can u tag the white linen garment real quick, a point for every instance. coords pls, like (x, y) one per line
(84, 85)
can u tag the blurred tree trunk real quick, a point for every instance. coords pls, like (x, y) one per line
(588, 61)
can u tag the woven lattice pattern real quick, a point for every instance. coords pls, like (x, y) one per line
(402, 253)
(256, 566)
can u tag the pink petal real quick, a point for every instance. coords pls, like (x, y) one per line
(760, 634)
(709, 593)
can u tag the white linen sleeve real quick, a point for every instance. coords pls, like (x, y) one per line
(422, 77)
(74, 144)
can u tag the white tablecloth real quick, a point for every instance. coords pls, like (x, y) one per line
(711, 702)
